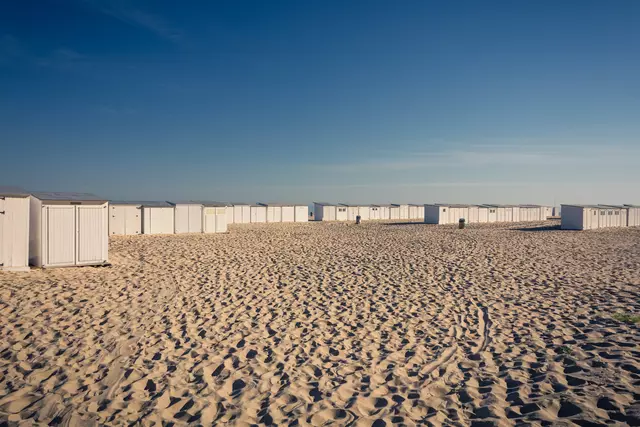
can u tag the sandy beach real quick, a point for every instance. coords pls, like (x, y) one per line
(377, 324)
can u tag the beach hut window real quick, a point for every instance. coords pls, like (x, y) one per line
(492, 211)
(601, 212)
(610, 213)
(617, 213)
(444, 210)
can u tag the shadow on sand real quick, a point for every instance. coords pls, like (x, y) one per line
(406, 223)
(554, 227)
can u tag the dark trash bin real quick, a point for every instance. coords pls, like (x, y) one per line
(358, 218)
(461, 223)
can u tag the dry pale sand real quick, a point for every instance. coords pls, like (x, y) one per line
(377, 324)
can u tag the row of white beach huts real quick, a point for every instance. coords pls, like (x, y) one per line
(72, 229)
(348, 212)
(472, 214)
(432, 213)
(130, 218)
(69, 229)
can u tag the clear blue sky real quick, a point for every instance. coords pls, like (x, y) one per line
(364, 101)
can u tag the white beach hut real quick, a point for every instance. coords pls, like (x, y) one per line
(274, 213)
(323, 211)
(14, 229)
(280, 212)
(125, 218)
(288, 213)
(258, 213)
(158, 218)
(365, 212)
(188, 217)
(415, 211)
(503, 213)
(68, 229)
(352, 211)
(394, 212)
(241, 213)
(229, 213)
(341, 213)
(442, 213)
(531, 213)
(589, 217)
(301, 213)
(403, 211)
(214, 216)
(630, 215)
(374, 212)
(385, 212)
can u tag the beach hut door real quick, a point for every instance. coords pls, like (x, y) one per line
(210, 220)
(60, 235)
(90, 234)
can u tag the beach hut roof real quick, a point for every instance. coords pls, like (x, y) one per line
(63, 196)
(11, 191)
(279, 204)
(149, 204)
(588, 206)
(211, 204)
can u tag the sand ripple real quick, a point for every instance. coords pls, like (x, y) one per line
(377, 324)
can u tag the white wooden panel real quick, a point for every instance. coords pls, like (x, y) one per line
(195, 219)
(384, 213)
(364, 213)
(133, 220)
(221, 220)
(246, 214)
(181, 219)
(229, 214)
(159, 220)
(404, 211)
(483, 215)
(288, 214)
(59, 235)
(492, 216)
(209, 222)
(14, 240)
(374, 213)
(91, 235)
(302, 213)
(262, 214)
(116, 220)
(341, 213)
(237, 214)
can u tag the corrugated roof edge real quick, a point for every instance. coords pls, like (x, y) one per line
(142, 203)
(281, 204)
(211, 203)
(587, 206)
(12, 191)
(64, 196)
